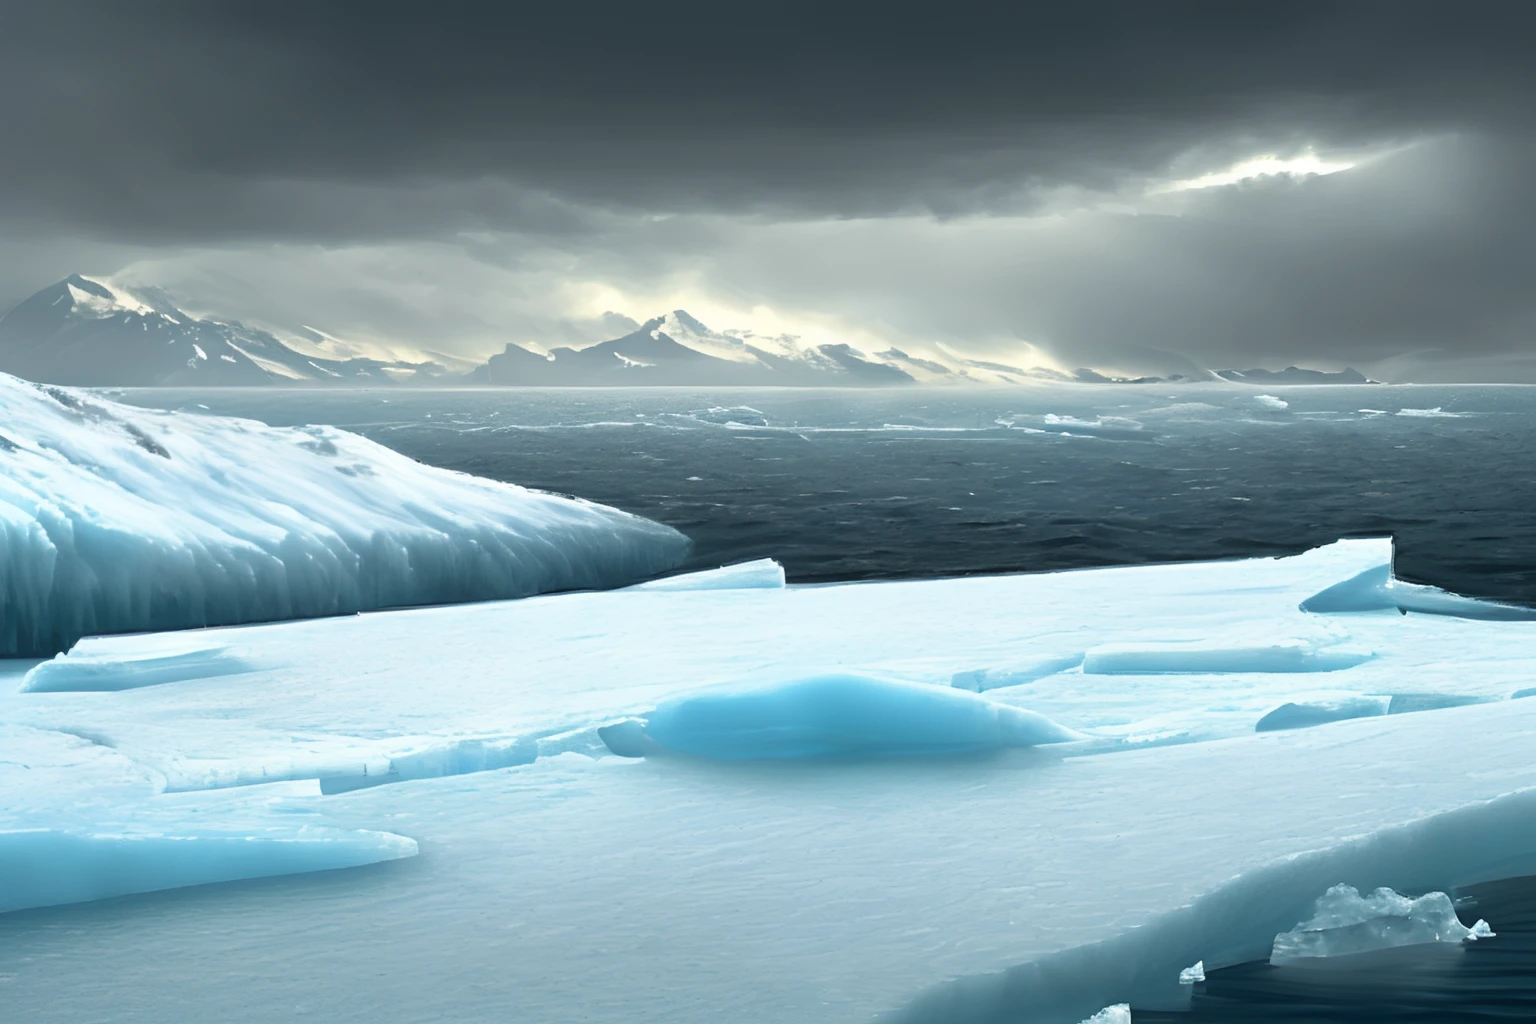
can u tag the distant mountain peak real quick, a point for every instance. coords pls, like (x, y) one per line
(88, 286)
(682, 316)
(1295, 375)
(95, 333)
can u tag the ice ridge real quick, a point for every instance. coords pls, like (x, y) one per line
(115, 519)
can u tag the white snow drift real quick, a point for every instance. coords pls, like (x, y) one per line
(116, 519)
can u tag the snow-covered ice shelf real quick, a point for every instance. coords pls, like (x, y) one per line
(116, 519)
(985, 799)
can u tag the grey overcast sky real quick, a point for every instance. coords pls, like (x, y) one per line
(994, 178)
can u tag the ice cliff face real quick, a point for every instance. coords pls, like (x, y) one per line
(115, 519)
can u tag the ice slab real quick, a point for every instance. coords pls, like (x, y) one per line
(791, 889)
(1290, 655)
(979, 680)
(47, 867)
(1344, 922)
(119, 519)
(762, 572)
(1291, 715)
(1377, 589)
(175, 659)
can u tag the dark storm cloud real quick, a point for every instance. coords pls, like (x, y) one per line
(155, 121)
(466, 174)
(1429, 251)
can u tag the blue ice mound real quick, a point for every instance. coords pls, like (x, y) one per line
(47, 867)
(831, 716)
(1377, 589)
(116, 519)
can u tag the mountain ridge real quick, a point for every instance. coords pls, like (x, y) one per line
(87, 332)
(84, 332)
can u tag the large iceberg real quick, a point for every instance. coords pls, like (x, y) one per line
(116, 519)
(1039, 882)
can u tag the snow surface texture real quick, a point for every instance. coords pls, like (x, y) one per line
(1344, 922)
(116, 519)
(784, 888)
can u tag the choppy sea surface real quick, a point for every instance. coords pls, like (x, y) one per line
(842, 484)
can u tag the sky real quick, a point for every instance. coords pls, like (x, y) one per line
(1137, 187)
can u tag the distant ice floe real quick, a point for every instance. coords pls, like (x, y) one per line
(1429, 414)
(1344, 923)
(1272, 401)
(1114, 428)
(117, 519)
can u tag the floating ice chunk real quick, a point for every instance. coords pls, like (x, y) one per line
(103, 672)
(1272, 402)
(1218, 657)
(831, 715)
(1376, 589)
(1192, 975)
(117, 519)
(1344, 922)
(1435, 413)
(761, 573)
(1114, 428)
(45, 867)
(1304, 716)
(1120, 1013)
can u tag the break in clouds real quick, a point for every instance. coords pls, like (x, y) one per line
(455, 177)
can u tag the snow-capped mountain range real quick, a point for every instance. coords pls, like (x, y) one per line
(678, 349)
(93, 333)
(89, 333)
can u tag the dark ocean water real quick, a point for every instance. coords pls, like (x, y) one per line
(860, 485)
(882, 484)
(1489, 981)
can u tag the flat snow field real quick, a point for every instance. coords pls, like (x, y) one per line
(986, 799)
